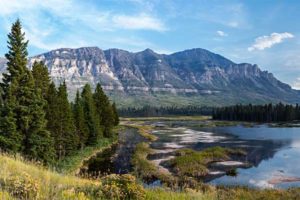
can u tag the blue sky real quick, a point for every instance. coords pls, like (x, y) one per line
(265, 32)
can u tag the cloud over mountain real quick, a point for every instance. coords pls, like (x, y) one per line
(265, 41)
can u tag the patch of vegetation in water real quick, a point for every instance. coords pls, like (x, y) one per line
(169, 118)
(193, 163)
(213, 123)
(143, 168)
(285, 125)
(144, 130)
(232, 172)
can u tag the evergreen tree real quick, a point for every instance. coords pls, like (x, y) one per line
(90, 115)
(66, 139)
(104, 110)
(1, 98)
(115, 114)
(22, 104)
(52, 110)
(16, 57)
(39, 140)
(10, 138)
(81, 127)
(41, 77)
(258, 113)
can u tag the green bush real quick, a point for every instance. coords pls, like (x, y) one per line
(22, 186)
(122, 187)
(193, 163)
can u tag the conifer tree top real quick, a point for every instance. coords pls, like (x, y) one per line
(17, 53)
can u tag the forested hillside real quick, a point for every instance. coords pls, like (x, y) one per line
(37, 119)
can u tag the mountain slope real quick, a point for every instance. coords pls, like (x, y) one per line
(194, 76)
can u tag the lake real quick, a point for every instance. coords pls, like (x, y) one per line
(273, 153)
(272, 159)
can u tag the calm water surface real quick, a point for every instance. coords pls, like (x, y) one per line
(274, 153)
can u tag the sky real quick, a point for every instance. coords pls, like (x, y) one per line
(263, 32)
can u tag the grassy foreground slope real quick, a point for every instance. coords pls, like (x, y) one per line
(27, 180)
(21, 179)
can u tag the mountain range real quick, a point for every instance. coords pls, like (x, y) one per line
(190, 77)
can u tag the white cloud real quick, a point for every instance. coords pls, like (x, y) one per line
(52, 24)
(66, 9)
(296, 84)
(141, 21)
(222, 33)
(268, 41)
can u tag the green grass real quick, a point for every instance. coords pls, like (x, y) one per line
(215, 123)
(144, 130)
(24, 178)
(224, 193)
(194, 163)
(71, 164)
(204, 121)
(168, 118)
(19, 177)
(158, 194)
(244, 193)
(143, 168)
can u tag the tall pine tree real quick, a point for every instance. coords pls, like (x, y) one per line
(10, 138)
(104, 110)
(22, 104)
(90, 115)
(52, 109)
(82, 129)
(41, 77)
(40, 143)
(66, 140)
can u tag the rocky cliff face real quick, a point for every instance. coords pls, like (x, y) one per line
(194, 76)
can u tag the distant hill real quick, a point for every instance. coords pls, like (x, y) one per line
(190, 77)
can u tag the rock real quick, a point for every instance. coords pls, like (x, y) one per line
(147, 77)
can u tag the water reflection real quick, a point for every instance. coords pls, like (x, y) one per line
(272, 152)
(115, 159)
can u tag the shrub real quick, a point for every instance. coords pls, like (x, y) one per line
(22, 186)
(193, 163)
(122, 187)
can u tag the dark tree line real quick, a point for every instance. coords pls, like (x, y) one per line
(148, 111)
(36, 118)
(258, 113)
